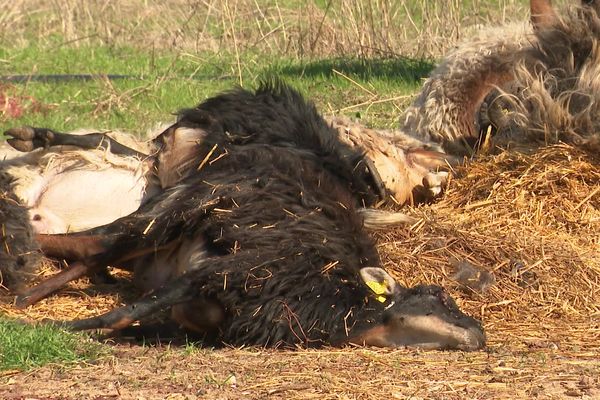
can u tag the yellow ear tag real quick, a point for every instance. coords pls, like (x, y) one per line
(379, 289)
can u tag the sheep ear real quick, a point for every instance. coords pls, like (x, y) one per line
(380, 282)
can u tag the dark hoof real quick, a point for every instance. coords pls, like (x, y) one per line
(103, 277)
(22, 133)
(26, 138)
(20, 145)
(23, 301)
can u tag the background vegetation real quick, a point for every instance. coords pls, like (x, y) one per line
(364, 57)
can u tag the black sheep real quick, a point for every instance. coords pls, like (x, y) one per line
(261, 243)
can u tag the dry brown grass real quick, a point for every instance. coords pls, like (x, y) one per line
(295, 28)
(531, 219)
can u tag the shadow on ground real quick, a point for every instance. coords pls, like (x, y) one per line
(405, 69)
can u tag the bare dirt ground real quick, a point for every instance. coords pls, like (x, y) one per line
(550, 368)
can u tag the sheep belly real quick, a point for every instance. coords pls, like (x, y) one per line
(77, 200)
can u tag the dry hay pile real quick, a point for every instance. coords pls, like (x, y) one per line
(533, 220)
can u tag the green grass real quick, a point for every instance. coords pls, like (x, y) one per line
(160, 84)
(24, 346)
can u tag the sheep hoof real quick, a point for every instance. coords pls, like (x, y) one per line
(435, 182)
(22, 133)
(20, 145)
(26, 138)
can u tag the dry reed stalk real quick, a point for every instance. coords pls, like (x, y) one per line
(349, 28)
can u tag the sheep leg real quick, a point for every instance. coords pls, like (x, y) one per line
(52, 284)
(74, 248)
(27, 139)
(68, 247)
(174, 292)
(71, 246)
(89, 246)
